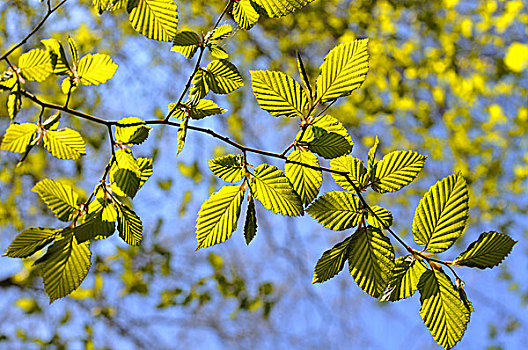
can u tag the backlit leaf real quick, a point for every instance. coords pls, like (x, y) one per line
(273, 189)
(14, 103)
(228, 168)
(135, 134)
(383, 219)
(218, 216)
(35, 65)
(371, 260)
(306, 181)
(205, 108)
(60, 198)
(331, 262)
(442, 214)
(125, 173)
(245, 14)
(487, 251)
(343, 71)
(64, 144)
(129, 225)
(96, 69)
(30, 241)
(18, 137)
(58, 56)
(155, 19)
(355, 169)
(396, 170)
(182, 133)
(279, 8)
(223, 77)
(404, 280)
(145, 169)
(186, 42)
(329, 144)
(338, 210)
(250, 225)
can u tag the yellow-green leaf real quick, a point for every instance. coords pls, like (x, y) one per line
(228, 168)
(58, 56)
(223, 77)
(134, 134)
(30, 241)
(383, 218)
(355, 169)
(371, 260)
(273, 189)
(279, 8)
(199, 87)
(218, 216)
(186, 42)
(404, 280)
(96, 69)
(250, 225)
(338, 210)
(442, 214)
(343, 71)
(125, 173)
(205, 108)
(35, 65)
(182, 133)
(18, 137)
(306, 181)
(331, 262)
(328, 144)
(245, 14)
(278, 93)
(487, 251)
(155, 19)
(60, 198)
(14, 103)
(396, 170)
(64, 144)
(129, 225)
(442, 311)
(145, 169)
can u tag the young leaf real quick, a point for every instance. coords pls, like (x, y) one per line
(328, 144)
(343, 71)
(331, 262)
(274, 191)
(64, 144)
(60, 198)
(145, 169)
(96, 69)
(223, 77)
(338, 210)
(442, 214)
(306, 181)
(155, 19)
(278, 94)
(228, 168)
(487, 251)
(125, 174)
(371, 260)
(442, 311)
(221, 33)
(355, 169)
(182, 133)
(97, 225)
(396, 170)
(30, 241)
(205, 108)
(385, 217)
(372, 156)
(186, 42)
(18, 137)
(279, 8)
(303, 74)
(332, 125)
(245, 14)
(129, 225)
(218, 216)
(217, 51)
(74, 50)
(64, 266)
(14, 103)
(135, 134)
(250, 225)
(404, 280)
(35, 65)
(199, 87)
(58, 56)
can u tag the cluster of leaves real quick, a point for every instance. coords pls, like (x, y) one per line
(440, 218)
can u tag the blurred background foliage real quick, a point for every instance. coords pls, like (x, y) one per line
(447, 78)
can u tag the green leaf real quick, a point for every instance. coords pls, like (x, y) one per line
(155, 19)
(52, 123)
(182, 133)
(129, 225)
(58, 56)
(487, 251)
(64, 266)
(279, 8)
(60, 198)
(228, 168)
(69, 84)
(221, 33)
(371, 260)
(306, 181)
(442, 311)
(145, 169)
(18, 137)
(108, 5)
(245, 14)
(332, 125)
(199, 87)
(250, 225)
(74, 50)
(372, 156)
(405, 277)
(64, 144)
(96, 69)
(217, 51)
(218, 216)
(125, 173)
(385, 217)
(223, 77)
(30, 241)
(442, 214)
(355, 169)
(205, 108)
(135, 134)
(14, 103)
(278, 93)
(186, 42)
(396, 170)
(331, 262)
(343, 71)
(338, 210)
(328, 144)
(303, 74)
(98, 225)
(35, 65)
(274, 191)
